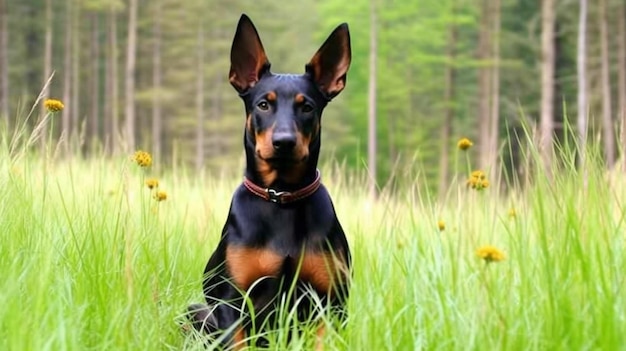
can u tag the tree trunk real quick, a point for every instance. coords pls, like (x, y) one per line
(484, 88)
(95, 83)
(582, 81)
(76, 93)
(621, 73)
(47, 67)
(129, 86)
(495, 91)
(113, 75)
(32, 41)
(371, 103)
(67, 75)
(608, 136)
(449, 81)
(157, 115)
(217, 86)
(547, 83)
(200, 101)
(4, 63)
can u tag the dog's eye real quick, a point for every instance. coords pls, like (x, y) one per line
(263, 106)
(307, 108)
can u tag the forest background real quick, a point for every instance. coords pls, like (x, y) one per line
(152, 75)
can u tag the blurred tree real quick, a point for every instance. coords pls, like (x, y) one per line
(494, 119)
(157, 80)
(67, 73)
(371, 102)
(4, 63)
(129, 78)
(484, 55)
(582, 79)
(621, 71)
(608, 136)
(200, 100)
(47, 68)
(94, 77)
(74, 103)
(449, 97)
(547, 82)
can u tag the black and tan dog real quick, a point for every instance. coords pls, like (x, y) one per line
(282, 240)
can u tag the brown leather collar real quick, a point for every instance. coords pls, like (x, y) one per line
(283, 197)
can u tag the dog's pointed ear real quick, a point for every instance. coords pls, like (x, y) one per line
(248, 61)
(329, 66)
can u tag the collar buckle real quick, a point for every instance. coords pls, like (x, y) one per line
(275, 196)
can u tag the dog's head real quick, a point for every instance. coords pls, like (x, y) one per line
(284, 111)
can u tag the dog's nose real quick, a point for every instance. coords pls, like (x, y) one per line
(283, 142)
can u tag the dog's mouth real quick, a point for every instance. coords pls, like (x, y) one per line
(283, 159)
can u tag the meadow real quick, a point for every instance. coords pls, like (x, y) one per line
(92, 261)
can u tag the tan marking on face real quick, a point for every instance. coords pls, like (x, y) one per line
(263, 141)
(265, 150)
(246, 265)
(300, 153)
(271, 96)
(249, 123)
(323, 271)
(266, 172)
(299, 98)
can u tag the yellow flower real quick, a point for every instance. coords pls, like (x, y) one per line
(512, 213)
(152, 183)
(464, 144)
(490, 253)
(478, 175)
(53, 105)
(143, 159)
(478, 180)
(160, 195)
(441, 225)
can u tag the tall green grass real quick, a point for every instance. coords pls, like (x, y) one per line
(90, 261)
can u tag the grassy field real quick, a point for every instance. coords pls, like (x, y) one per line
(91, 261)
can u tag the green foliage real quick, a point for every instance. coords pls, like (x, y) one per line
(411, 56)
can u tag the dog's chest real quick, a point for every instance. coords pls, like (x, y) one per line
(249, 265)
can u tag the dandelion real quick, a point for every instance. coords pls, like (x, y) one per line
(490, 254)
(512, 213)
(478, 175)
(464, 144)
(53, 105)
(143, 158)
(478, 180)
(160, 196)
(478, 184)
(152, 183)
(441, 225)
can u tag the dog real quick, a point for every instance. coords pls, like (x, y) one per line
(282, 240)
